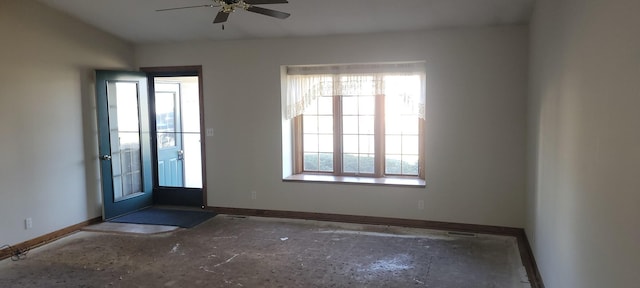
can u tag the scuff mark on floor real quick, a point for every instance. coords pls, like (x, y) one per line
(175, 248)
(205, 269)
(428, 268)
(228, 260)
(231, 282)
(224, 237)
(386, 265)
(390, 265)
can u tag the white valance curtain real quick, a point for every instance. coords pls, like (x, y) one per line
(406, 81)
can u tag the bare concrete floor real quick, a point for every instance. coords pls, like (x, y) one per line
(229, 251)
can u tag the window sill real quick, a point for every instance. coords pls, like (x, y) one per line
(395, 181)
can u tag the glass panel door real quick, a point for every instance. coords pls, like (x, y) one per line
(177, 116)
(168, 134)
(124, 141)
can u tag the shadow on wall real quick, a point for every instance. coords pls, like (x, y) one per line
(90, 137)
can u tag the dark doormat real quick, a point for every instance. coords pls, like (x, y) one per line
(168, 217)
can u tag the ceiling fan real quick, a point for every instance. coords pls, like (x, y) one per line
(229, 6)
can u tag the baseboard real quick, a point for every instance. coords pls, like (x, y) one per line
(523, 243)
(44, 239)
(526, 254)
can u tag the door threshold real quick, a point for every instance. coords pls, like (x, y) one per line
(130, 228)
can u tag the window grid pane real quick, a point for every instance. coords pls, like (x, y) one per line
(358, 139)
(317, 137)
(402, 141)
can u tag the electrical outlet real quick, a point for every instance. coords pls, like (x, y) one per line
(28, 223)
(254, 195)
(209, 132)
(421, 204)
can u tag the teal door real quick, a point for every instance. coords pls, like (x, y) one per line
(124, 141)
(169, 134)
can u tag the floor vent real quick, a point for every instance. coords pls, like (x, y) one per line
(464, 234)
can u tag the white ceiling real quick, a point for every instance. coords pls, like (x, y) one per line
(138, 22)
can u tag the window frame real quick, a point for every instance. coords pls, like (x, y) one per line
(379, 150)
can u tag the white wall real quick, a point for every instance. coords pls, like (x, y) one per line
(584, 128)
(475, 139)
(48, 151)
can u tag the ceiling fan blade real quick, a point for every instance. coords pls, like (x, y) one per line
(268, 12)
(221, 17)
(262, 2)
(187, 7)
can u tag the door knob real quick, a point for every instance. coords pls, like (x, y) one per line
(105, 157)
(180, 154)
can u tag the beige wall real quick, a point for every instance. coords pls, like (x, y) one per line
(584, 129)
(584, 176)
(48, 150)
(475, 140)
(475, 124)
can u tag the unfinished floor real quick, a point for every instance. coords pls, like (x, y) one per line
(229, 251)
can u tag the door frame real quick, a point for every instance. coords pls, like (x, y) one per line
(176, 195)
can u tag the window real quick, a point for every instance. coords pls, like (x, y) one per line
(364, 120)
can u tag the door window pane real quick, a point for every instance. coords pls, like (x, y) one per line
(166, 119)
(126, 164)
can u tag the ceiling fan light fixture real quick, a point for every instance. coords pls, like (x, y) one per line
(229, 6)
